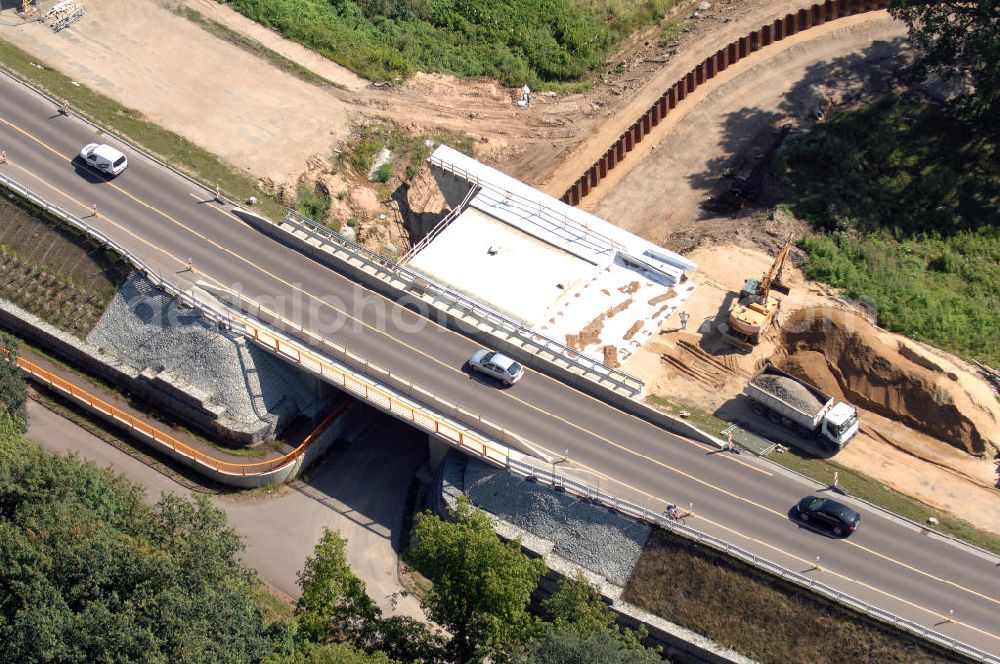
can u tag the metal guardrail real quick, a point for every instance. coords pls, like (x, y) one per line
(597, 496)
(609, 243)
(255, 468)
(381, 397)
(440, 226)
(530, 339)
(211, 313)
(480, 446)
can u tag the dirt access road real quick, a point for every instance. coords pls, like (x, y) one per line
(269, 122)
(659, 193)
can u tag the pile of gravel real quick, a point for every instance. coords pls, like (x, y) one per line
(148, 330)
(790, 391)
(596, 539)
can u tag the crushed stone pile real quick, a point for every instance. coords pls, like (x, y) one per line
(601, 541)
(790, 392)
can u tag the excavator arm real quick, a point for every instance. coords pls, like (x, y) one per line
(765, 283)
(752, 317)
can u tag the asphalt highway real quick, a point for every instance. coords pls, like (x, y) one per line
(166, 219)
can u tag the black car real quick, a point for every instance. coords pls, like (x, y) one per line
(828, 514)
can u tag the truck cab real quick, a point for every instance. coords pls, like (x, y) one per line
(840, 424)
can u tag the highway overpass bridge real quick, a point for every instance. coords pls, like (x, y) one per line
(163, 219)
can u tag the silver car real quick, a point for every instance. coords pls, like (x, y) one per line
(104, 158)
(501, 367)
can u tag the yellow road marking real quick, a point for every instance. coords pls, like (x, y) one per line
(919, 571)
(797, 558)
(35, 139)
(435, 360)
(103, 216)
(455, 370)
(212, 204)
(827, 570)
(430, 357)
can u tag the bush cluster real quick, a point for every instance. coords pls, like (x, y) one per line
(904, 199)
(517, 42)
(91, 573)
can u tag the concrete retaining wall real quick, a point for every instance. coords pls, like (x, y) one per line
(150, 388)
(89, 358)
(251, 481)
(240, 481)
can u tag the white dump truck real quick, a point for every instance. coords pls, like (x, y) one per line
(802, 407)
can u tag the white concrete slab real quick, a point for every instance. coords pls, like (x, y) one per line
(564, 272)
(501, 266)
(548, 218)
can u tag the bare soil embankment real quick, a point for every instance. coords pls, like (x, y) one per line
(842, 353)
(929, 423)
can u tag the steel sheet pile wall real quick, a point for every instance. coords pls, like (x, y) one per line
(728, 55)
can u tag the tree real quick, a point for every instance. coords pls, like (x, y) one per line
(959, 39)
(91, 573)
(481, 586)
(330, 653)
(598, 647)
(13, 391)
(334, 608)
(577, 607)
(334, 605)
(407, 640)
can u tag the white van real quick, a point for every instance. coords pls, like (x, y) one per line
(104, 158)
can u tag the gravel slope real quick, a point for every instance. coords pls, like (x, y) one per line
(602, 542)
(147, 330)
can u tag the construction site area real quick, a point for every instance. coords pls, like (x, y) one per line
(636, 222)
(930, 422)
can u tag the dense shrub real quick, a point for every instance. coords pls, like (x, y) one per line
(905, 201)
(518, 41)
(13, 390)
(943, 291)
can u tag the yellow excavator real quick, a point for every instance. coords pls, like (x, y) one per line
(755, 310)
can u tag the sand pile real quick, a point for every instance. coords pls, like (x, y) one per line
(843, 354)
(813, 364)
